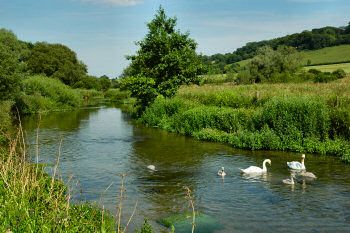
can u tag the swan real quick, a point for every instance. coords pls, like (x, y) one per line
(222, 172)
(289, 181)
(254, 169)
(308, 175)
(151, 167)
(296, 165)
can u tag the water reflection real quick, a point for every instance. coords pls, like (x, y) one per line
(101, 143)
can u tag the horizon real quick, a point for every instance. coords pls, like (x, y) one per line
(103, 32)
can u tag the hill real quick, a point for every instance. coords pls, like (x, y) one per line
(305, 41)
(326, 59)
(336, 54)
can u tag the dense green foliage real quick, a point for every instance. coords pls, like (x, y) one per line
(12, 65)
(303, 124)
(40, 93)
(5, 121)
(271, 66)
(166, 59)
(56, 61)
(306, 40)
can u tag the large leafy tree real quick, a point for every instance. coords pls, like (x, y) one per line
(56, 61)
(269, 62)
(12, 65)
(166, 59)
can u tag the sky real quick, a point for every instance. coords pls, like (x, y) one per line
(103, 32)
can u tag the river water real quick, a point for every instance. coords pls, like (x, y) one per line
(100, 143)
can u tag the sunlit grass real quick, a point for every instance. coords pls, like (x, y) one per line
(331, 68)
(229, 94)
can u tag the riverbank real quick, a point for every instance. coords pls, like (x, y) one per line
(304, 117)
(33, 201)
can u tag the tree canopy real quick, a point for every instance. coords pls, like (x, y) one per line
(56, 61)
(12, 67)
(271, 65)
(166, 58)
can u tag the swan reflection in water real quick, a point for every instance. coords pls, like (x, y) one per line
(256, 177)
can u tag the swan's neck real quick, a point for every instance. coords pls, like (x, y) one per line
(264, 166)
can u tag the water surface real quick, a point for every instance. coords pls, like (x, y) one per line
(100, 143)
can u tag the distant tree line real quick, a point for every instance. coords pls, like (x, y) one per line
(20, 60)
(306, 40)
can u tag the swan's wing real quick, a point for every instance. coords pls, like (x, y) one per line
(295, 165)
(252, 169)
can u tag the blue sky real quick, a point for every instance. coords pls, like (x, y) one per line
(102, 32)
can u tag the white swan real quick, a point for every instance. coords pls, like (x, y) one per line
(222, 172)
(254, 169)
(296, 165)
(289, 181)
(151, 167)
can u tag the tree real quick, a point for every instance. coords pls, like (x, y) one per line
(105, 82)
(166, 58)
(12, 66)
(56, 61)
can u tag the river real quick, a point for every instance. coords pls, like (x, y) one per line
(100, 143)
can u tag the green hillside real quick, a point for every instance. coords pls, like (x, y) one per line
(336, 54)
(327, 56)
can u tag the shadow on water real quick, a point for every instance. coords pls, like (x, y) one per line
(101, 143)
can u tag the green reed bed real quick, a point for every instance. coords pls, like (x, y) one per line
(307, 117)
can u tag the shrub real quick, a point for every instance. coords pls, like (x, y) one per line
(339, 73)
(116, 95)
(290, 116)
(225, 119)
(339, 123)
(41, 93)
(244, 77)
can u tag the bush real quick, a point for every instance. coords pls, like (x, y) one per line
(5, 119)
(43, 94)
(244, 77)
(116, 95)
(292, 116)
(339, 73)
(340, 123)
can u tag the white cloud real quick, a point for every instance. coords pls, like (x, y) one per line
(116, 2)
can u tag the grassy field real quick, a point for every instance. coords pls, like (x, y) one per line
(331, 68)
(339, 53)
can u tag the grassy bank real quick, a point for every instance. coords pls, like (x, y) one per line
(32, 201)
(304, 117)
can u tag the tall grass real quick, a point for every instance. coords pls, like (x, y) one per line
(32, 201)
